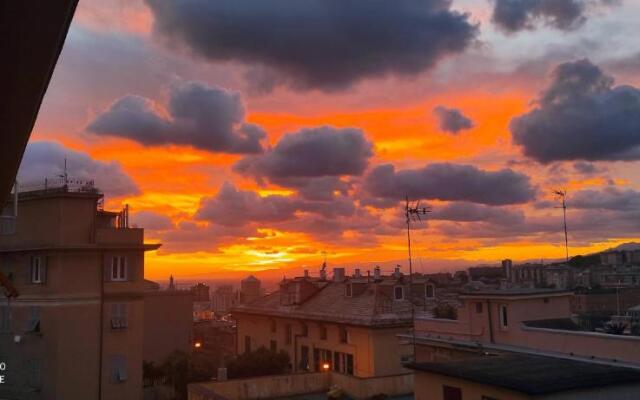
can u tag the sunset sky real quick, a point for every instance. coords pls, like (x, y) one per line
(254, 135)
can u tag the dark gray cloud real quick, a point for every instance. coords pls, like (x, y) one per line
(609, 198)
(588, 168)
(234, 208)
(205, 117)
(150, 220)
(516, 15)
(452, 120)
(451, 182)
(45, 159)
(469, 212)
(321, 44)
(581, 116)
(311, 153)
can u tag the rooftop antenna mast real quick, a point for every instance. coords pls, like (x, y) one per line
(562, 196)
(65, 176)
(412, 214)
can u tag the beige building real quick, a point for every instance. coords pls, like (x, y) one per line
(168, 322)
(76, 329)
(520, 344)
(347, 324)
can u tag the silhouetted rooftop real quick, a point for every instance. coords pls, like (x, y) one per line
(533, 375)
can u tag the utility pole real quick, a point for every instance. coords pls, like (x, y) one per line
(412, 214)
(562, 195)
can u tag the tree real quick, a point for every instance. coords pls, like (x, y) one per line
(445, 311)
(260, 362)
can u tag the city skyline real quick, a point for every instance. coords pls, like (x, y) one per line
(240, 159)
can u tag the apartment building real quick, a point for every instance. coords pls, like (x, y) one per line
(346, 324)
(76, 329)
(520, 344)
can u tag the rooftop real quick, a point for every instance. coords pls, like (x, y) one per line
(533, 375)
(516, 292)
(372, 305)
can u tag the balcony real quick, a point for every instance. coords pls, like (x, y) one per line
(119, 236)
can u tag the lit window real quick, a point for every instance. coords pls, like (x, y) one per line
(37, 269)
(504, 318)
(398, 293)
(119, 316)
(119, 268)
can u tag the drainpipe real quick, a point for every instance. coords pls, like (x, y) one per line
(101, 324)
(490, 320)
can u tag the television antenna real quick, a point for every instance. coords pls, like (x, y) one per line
(562, 196)
(412, 214)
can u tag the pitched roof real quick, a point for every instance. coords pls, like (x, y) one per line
(533, 375)
(372, 307)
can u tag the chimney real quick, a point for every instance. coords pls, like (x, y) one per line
(376, 273)
(306, 273)
(507, 264)
(356, 273)
(396, 272)
(338, 274)
(323, 274)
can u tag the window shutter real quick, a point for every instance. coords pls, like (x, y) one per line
(44, 266)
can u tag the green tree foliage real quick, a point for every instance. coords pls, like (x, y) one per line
(260, 362)
(178, 370)
(445, 311)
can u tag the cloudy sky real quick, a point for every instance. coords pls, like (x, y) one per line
(257, 134)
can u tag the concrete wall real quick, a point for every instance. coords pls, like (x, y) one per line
(261, 388)
(276, 386)
(429, 386)
(475, 326)
(168, 323)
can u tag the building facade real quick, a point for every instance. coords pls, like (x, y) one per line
(76, 329)
(346, 324)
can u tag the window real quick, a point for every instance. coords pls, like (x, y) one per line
(5, 321)
(344, 335)
(119, 316)
(273, 345)
(37, 269)
(119, 268)
(273, 325)
(429, 292)
(33, 324)
(304, 358)
(451, 393)
(118, 369)
(247, 344)
(349, 364)
(288, 334)
(479, 307)
(323, 332)
(504, 320)
(398, 293)
(349, 290)
(35, 373)
(337, 365)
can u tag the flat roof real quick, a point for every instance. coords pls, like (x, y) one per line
(515, 292)
(533, 375)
